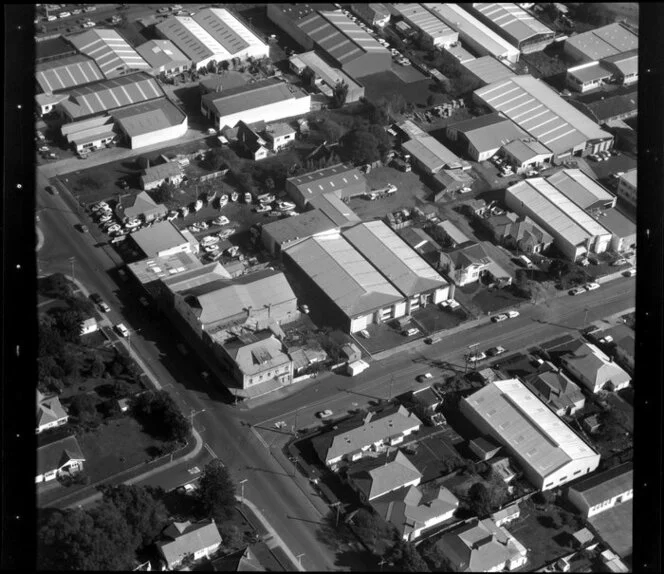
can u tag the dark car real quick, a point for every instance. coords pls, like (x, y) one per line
(51, 190)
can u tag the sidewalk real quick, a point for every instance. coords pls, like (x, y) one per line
(273, 540)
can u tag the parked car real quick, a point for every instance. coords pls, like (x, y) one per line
(172, 215)
(577, 291)
(495, 351)
(432, 340)
(365, 334)
(266, 198)
(304, 309)
(591, 286)
(476, 357)
(424, 377)
(122, 330)
(223, 200)
(248, 198)
(499, 318)
(225, 234)
(221, 220)
(620, 261)
(97, 300)
(630, 272)
(410, 332)
(184, 211)
(327, 413)
(513, 314)
(263, 208)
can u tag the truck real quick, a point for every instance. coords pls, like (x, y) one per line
(356, 367)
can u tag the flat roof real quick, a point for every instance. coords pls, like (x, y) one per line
(581, 189)
(605, 41)
(67, 72)
(331, 76)
(335, 209)
(524, 423)
(427, 21)
(344, 275)
(591, 72)
(488, 69)
(618, 224)
(490, 131)
(536, 108)
(161, 236)
(109, 50)
(518, 24)
(154, 268)
(433, 154)
(411, 129)
(339, 36)
(160, 53)
(459, 53)
(461, 21)
(394, 258)
(328, 179)
(304, 225)
(190, 278)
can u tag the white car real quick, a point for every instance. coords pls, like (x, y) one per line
(513, 314)
(391, 188)
(477, 357)
(248, 198)
(233, 250)
(202, 225)
(194, 228)
(410, 332)
(263, 208)
(234, 196)
(113, 228)
(577, 291)
(499, 318)
(221, 220)
(495, 351)
(225, 234)
(64, 14)
(172, 215)
(89, 24)
(223, 200)
(210, 248)
(453, 304)
(122, 330)
(424, 377)
(591, 286)
(618, 262)
(209, 240)
(365, 334)
(184, 211)
(324, 414)
(266, 198)
(105, 218)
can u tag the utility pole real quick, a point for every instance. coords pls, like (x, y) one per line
(391, 383)
(242, 489)
(299, 559)
(470, 350)
(297, 410)
(585, 317)
(337, 504)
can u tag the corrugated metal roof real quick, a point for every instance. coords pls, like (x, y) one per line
(394, 258)
(67, 72)
(523, 151)
(192, 39)
(91, 134)
(225, 29)
(603, 42)
(536, 108)
(429, 22)
(528, 426)
(344, 275)
(160, 53)
(331, 76)
(514, 21)
(459, 53)
(592, 72)
(330, 179)
(335, 209)
(109, 50)
(489, 132)
(581, 189)
(606, 485)
(148, 117)
(160, 237)
(626, 62)
(488, 69)
(454, 233)
(433, 154)
(300, 227)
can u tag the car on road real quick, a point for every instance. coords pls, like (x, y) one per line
(476, 357)
(424, 377)
(234, 196)
(122, 183)
(513, 314)
(122, 330)
(620, 261)
(499, 318)
(630, 272)
(432, 340)
(51, 190)
(591, 286)
(248, 198)
(577, 291)
(365, 334)
(410, 332)
(97, 300)
(304, 309)
(327, 413)
(83, 228)
(495, 351)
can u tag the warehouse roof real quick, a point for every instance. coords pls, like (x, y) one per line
(627, 62)
(150, 269)
(106, 95)
(161, 236)
(251, 96)
(453, 232)
(427, 21)
(335, 209)
(459, 53)
(589, 72)
(603, 42)
(53, 48)
(331, 76)
(556, 210)
(489, 132)
(616, 104)
(304, 225)
(67, 72)
(411, 129)
(518, 24)
(536, 108)
(630, 177)
(344, 275)
(160, 53)
(394, 258)
(581, 189)
(461, 21)
(606, 485)
(148, 117)
(488, 69)
(329, 179)
(297, 12)
(339, 36)
(524, 151)
(523, 422)
(187, 279)
(110, 50)
(433, 154)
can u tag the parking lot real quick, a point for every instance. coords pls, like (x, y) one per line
(387, 335)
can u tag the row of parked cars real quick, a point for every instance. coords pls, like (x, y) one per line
(602, 155)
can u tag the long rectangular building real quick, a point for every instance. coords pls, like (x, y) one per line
(513, 23)
(475, 35)
(541, 112)
(344, 181)
(428, 22)
(68, 72)
(549, 452)
(212, 34)
(601, 43)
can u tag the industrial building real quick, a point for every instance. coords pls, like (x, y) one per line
(514, 24)
(537, 109)
(459, 53)
(283, 233)
(164, 57)
(141, 205)
(212, 34)
(92, 133)
(625, 66)
(473, 34)
(68, 72)
(603, 490)
(601, 43)
(588, 76)
(547, 450)
(267, 100)
(355, 51)
(582, 190)
(148, 123)
(626, 188)
(288, 16)
(150, 271)
(526, 154)
(163, 239)
(111, 52)
(482, 137)
(326, 77)
(487, 70)
(344, 181)
(335, 209)
(431, 156)
(428, 23)
(608, 107)
(374, 14)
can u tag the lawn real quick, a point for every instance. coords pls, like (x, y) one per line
(615, 527)
(435, 319)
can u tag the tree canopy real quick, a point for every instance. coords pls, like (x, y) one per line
(405, 557)
(361, 146)
(216, 491)
(340, 93)
(161, 415)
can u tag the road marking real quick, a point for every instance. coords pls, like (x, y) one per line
(209, 449)
(260, 438)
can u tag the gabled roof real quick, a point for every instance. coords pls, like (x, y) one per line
(139, 204)
(55, 455)
(488, 70)
(426, 20)
(378, 477)
(187, 538)
(581, 189)
(304, 225)
(555, 388)
(161, 172)
(595, 366)
(394, 258)
(603, 42)
(241, 561)
(489, 132)
(470, 255)
(524, 151)
(49, 410)
(335, 209)
(67, 73)
(611, 105)
(335, 178)
(626, 63)
(433, 154)
(605, 485)
(257, 353)
(160, 53)
(517, 24)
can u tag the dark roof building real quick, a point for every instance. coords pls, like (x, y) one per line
(557, 391)
(487, 70)
(53, 49)
(602, 108)
(285, 232)
(163, 56)
(601, 43)
(342, 180)
(603, 490)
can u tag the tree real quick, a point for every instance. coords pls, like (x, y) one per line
(231, 535)
(330, 130)
(269, 184)
(216, 491)
(97, 366)
(382, 138)
(396, 104)
(165, 193)
(141, 508)
(405, 557)
(361, 146)
(68, 323)
(164, 416)
(479, 499)
(81, 305)
(83, 407)
(340, 93)
(57, 286)
(308, 77)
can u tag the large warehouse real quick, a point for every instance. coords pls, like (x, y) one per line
(575, 233)
(288, 16)
(283, 233)
(430, 155)
(114, 56)
(356, 52)
(475, 35)
(514, 24)
(344, 181)
(326, 77)
(268, 101)
(428, 23)
(148, 123)
(212, 34)
(163, 57)
(547, 450)
(487, 70)
(65, 73)
(601, 43)
(541, 112)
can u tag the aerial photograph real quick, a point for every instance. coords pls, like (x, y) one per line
(335, 287)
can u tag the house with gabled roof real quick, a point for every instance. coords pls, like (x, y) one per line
(559, 393)
(375, 477)
(60, 458)
(50, 413)
(595, 370)
(140, 205)
(243, 560)
(466, 264)
(184, 539)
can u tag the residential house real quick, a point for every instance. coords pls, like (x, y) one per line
(603, 490)
(475, 207)
(254, 145)
(58, 459)
(466, 264)
(484, 447)
(372, 478)
(481, 546)
(560, 394)
(50, 413)
(88, 326)
(186, 540)
(355, 439)
(519, 232)
(279, 135)
(303, 358)
(412, 511)
(501, 467)
(427, 401)
(241, 561)
(452, 233)
(506, 515)
(140, 205)
(595, 370)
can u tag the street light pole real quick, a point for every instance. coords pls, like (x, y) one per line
(299, 559)
(242, 489)
(337, 504)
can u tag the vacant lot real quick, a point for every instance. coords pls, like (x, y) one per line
(435, 319)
